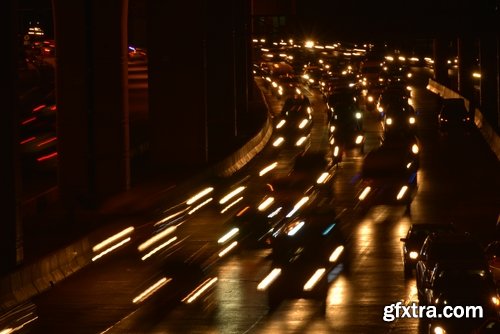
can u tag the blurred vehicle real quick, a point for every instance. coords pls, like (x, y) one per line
(403, 145)
(370, 71)
(312, 75)
(394, 72)
(372, 93)
(393, 94)
(305, 256)
(316, 171)
(21, 318)
(493, 256)
(441, 248)
(399, 116)
(346, 130)
(42, 119)
(454, 117)
(137, 54)
(287, 86)
(293, 127)
(333, 83)
(283, 199)
(371, 81)
(414, 239)
(341, 96)
(389, 173)
(40, 151)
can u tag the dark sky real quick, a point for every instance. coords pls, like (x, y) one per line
(376, 19)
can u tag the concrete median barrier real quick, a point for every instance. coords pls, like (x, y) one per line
(240, 158)
(41, 275)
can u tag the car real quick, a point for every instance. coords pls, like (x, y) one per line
(458, 284)
(287, 85)
(393, 72)
(341, 96)
(415, 237)
(316, 170)
(454, 117)
(346, 131)
(293, 127)
(399, 116)
(403, 145)
(372, 93)
(462, 283)
(392, 94)
(346, 87)
(306, 255)
(439, 248)
(283, 199)
(389, 176)
(493, 256)
(312, 76)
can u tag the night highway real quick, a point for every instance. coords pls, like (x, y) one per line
(457, 183)
(250, 167)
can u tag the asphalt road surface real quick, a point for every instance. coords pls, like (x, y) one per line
(459, 182)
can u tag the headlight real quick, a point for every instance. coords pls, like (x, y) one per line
(388, 121)
(439, 330)
(358, 115)
(300, 141)
(402, 192)
(364, 193)
(415, 149)
(332, 128)
(495, 300)
(412, 120)
(409, 75)
(359, 139)
(336, 151)
(323, 178)
(413, 255)
(278, 141)
(311, 80)
(380, 109)
(370, 98)
(303, 123)
(280, 124)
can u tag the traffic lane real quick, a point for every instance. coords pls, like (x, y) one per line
(256, 318)
(459, 179)
(378, 280)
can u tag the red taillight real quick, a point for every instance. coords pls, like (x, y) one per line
(47, 157)
(29, 120)
(40, 107)
(28, 140)
(47, 141)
